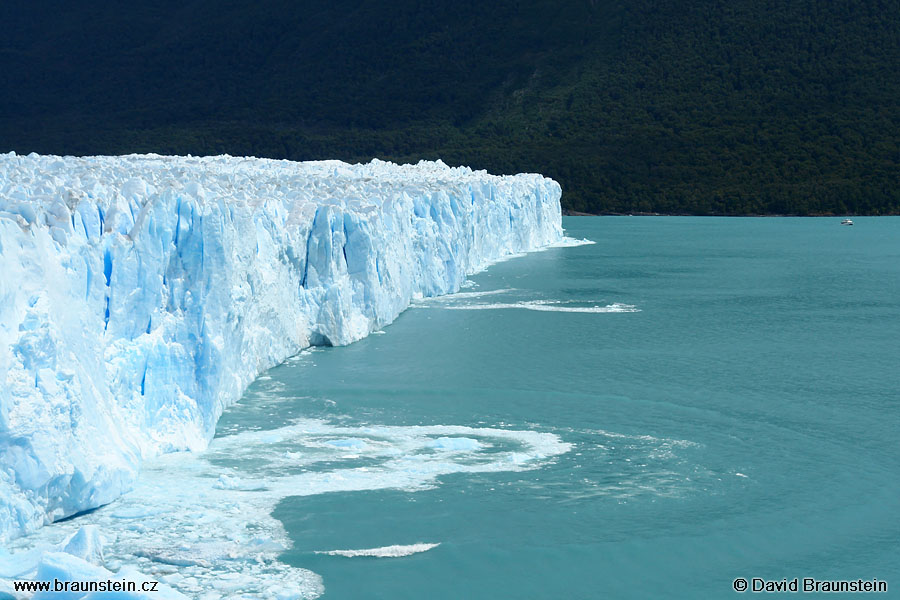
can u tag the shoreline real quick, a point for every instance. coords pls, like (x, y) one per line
(575, 213)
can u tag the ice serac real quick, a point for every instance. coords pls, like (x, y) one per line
(140, 295)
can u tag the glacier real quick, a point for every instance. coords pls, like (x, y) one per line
(140, 295)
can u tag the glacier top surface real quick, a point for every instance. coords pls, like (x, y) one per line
(233, 178)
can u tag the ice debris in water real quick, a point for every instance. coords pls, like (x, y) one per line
(76, 561)
(192, 523)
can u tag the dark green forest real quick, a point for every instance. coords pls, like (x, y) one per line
(688, 106)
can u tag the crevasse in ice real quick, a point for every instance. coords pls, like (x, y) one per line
(140, 295)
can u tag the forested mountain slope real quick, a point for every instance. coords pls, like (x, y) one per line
(705, 107)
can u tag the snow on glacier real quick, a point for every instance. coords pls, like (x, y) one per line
(140, 295)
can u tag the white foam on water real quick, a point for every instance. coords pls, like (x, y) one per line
(568, 242)
(636, 465)
(300, 356)
(347, 443)
(466, 295)
(450, 298)
(460, 301)
(383, 552)
(507, 258)
(549, 306)
(203, 522)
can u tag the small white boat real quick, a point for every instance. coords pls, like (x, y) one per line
(846, 222)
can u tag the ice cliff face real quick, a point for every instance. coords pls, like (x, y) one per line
(140, 295)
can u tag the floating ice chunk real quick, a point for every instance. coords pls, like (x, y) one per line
(83, 580)
(61, 566)
(86, 544)
(347, 443)
(16, 565)
(455, 443)
(136, 512)
(228, 482)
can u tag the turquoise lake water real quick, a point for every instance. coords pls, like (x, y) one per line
(716, 398)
